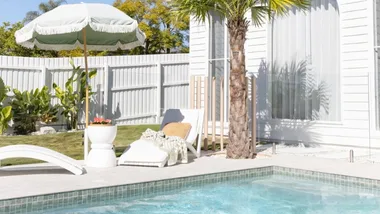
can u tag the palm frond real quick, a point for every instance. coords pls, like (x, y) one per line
(236, 9)
(198, 8)
(258, 15)
(224, 8)
(262, 9)
(281, 7)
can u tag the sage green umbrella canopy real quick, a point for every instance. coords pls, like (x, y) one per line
(107, 28)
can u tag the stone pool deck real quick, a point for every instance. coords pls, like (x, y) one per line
(37, 179)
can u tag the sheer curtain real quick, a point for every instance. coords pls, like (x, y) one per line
(304, 72)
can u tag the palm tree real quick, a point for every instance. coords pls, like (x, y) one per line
(43, 8)
(235, 13)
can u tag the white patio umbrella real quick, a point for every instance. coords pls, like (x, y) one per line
(90, 26)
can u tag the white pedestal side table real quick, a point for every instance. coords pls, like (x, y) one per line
(102, 154)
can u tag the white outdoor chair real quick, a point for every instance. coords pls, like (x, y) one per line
(144, 153)
(41, 153)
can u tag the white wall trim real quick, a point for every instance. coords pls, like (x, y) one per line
(372, 69)
(207, 55)
(341, 66)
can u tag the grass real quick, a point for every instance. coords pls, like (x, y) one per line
(70, 143)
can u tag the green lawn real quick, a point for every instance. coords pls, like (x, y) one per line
(70, 144)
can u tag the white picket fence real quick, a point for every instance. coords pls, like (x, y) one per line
(130, 89)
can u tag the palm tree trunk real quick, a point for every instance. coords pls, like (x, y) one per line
(239, 147)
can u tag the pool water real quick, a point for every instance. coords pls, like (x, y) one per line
(276, 194)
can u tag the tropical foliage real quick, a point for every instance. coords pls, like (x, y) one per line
(73, 97)
(5, 111)
(235, 12)
(32, 106)
(29, 107)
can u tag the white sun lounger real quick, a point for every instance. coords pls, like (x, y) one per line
(41, 153)
(143, 153)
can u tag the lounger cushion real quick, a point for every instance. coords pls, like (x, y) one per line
(143, 143)
(143, 151)
(177, 129)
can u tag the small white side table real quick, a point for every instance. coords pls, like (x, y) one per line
(102, 154)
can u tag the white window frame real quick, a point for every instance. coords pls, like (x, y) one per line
(225, 60)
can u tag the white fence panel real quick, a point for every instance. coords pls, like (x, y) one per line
(129, 89)
(21, 78)
(133, 88)
(175, 78)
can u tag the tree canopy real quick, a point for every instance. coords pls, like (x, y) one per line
(9, 47)
(164, 32)
(43, 8)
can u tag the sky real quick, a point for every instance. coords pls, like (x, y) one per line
(14, 10)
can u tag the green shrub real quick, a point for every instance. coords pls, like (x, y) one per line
(71, 100)
(30, 107)
(5, 111)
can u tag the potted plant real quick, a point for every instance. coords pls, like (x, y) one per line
(101, 133)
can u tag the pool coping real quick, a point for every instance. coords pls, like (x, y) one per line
(98, 195)
(40, 179)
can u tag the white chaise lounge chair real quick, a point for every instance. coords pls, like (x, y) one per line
(41, 153)
(144, 154)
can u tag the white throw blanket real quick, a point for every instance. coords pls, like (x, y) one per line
(174, 146)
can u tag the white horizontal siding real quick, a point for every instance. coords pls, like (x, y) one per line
(256, 46)
(355, 32)
(198, 55)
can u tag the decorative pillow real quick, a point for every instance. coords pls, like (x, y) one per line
(177, 129)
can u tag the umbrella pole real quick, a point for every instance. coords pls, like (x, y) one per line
(87, 103)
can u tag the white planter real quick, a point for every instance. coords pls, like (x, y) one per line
(102, 154)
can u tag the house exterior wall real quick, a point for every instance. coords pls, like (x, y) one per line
(198, 42)
(357, 81)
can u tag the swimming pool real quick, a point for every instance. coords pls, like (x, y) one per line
(274, 194)
(270, 189)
